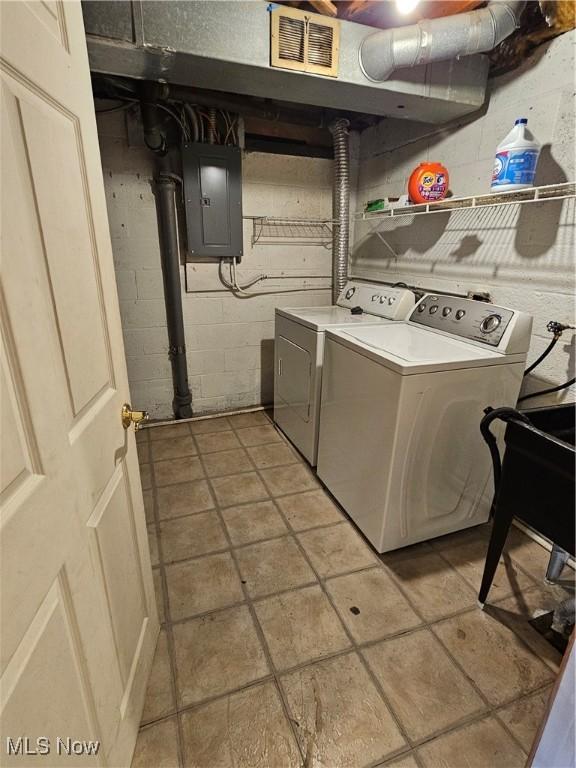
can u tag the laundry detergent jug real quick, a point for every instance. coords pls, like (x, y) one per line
(428, 183)
(516, 159)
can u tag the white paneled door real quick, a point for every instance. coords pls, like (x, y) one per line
(78, 618)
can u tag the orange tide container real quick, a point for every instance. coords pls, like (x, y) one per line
(428, 183)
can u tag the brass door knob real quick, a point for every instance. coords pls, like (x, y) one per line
(132, 417)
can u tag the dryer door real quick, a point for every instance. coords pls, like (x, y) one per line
(293, 377)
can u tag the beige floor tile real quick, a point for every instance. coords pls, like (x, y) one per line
(253, 419)
(145, 476)
(493, 657)
(300, 626)
(159, 700)
(468, 558)
(153, 544)
(191, 536)
(433, 586)
(169, 431)
(247, 729)
(309, 509)
(341, 718)
(238, 489)
(408, 761)
(226, 462)
(216, 654)
(143, 450)
(529, 555)
(259, 435)
(336, 549)
(159, 593)
(208, 426)
(217, 441)
(202, 585)
(272, 455)
(371, 605)
(173, 448)
(157, 746)
(272, 566)
(519, 610)
(476, 533)
(292, 479)
(253, 522)
(425, 688)
(148, 497)
(184, 499)
(180, 470)
(484, 744)
(523, 717)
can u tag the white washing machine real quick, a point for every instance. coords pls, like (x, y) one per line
(400, 444)
(299, 348)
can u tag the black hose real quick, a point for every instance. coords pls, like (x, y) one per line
(544, 354)
(548, 391)
(506, 414)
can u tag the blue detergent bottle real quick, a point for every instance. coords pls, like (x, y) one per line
(516, 159)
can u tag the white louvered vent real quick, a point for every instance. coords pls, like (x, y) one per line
(291, 39)
(320, 44)
(304, 41)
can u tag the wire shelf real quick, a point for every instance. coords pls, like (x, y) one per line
(533, 195)
(268, 230)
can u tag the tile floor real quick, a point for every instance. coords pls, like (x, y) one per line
(286, 641)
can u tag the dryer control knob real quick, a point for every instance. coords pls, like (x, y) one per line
(446, 311)
(460, 314)
(421, 307)
(490, 323)
(350, 292)
(382, 299)
(433, 309)
(375, 297)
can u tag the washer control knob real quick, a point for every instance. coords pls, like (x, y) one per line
(391, 300)
(382, 299)
(460, 314)
(446, 311)
(421, 307)
(490, 323)
(433, 309)
(350, 292)
(375, 297)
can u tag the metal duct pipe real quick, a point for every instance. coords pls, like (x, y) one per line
(441, 39)
(164, 191)
(340, 206)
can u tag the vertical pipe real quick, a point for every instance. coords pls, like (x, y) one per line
(340, 206)
(164, 190)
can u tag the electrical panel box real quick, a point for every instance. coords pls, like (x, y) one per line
(213, 201)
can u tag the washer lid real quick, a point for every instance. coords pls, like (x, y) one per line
(320, 318)
(408, 350)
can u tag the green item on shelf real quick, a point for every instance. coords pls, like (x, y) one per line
(376, 205)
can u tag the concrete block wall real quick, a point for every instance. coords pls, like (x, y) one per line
(229, 339)
(523, 255)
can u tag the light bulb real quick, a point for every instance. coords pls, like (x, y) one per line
(406, 7)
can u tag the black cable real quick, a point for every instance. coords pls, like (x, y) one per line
(112, 109)
(506, 414)
(544, 354)
(548, 391)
